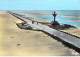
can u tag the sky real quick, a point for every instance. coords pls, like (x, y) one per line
(39, 4)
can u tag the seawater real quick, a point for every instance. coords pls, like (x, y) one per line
(71, 17)
(65, 17)
(75, 21)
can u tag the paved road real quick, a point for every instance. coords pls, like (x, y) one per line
(61, 35)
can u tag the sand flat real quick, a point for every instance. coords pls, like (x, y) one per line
(75, 32)
(16, 41)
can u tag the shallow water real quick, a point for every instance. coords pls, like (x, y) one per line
(71, 17)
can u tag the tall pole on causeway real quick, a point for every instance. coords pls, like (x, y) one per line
(54, 15)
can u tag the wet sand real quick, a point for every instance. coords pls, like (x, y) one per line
(75, 32)
(16, 41)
